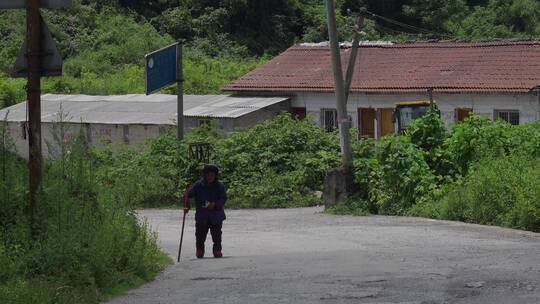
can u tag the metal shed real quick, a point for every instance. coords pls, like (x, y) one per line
(131, 119)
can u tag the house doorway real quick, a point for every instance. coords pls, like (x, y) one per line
(366, 123)
(386, 122)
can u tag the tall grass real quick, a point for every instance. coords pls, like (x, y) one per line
(89, 242)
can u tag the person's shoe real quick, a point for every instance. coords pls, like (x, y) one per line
(218, 254)
(200, 252)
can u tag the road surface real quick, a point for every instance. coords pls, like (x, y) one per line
(305, 256)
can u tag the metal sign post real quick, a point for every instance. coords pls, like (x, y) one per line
(164, 67)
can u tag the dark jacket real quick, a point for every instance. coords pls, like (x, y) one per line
(203, 192)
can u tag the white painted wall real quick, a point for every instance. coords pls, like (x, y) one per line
(100, 135)
(485, 104)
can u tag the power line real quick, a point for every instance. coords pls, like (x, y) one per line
(407, 26)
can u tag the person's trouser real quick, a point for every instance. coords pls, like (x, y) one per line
(201, 231)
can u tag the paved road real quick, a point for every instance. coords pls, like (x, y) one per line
(303, 256)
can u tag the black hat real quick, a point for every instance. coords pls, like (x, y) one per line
(210, 168)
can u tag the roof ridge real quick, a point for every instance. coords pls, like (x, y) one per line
(426, 44)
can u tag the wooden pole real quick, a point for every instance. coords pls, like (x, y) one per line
(33, 52)
(341, 101)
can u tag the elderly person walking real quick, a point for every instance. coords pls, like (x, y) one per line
(210, 198)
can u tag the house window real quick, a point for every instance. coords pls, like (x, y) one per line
(461, 114)
(510, 116)
(329, 120)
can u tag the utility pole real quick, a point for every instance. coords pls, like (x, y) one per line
(180, 89)
(360, 19)
(33, 53)
(341, 96)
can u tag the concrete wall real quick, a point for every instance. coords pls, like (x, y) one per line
(97, 134)
(527, 104)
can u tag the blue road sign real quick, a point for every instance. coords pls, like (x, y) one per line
(160, 68)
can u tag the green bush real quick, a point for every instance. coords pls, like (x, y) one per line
(503, 192)
(477, 138)
(483, 172)
(277, 163)
(402, 176)
(11, 91)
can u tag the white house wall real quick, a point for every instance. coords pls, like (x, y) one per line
(485, 104)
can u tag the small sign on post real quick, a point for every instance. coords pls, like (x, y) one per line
(51, 60)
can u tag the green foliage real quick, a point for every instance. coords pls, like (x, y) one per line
(437, 14)
(430, 134)
(502, 19)
(104, 47)
(11, 91)
(104, 42)
(482, 172)
(277, 163)
(403, 176)
(354, 205)
(478, 138)
(502, 191)
(89, 240)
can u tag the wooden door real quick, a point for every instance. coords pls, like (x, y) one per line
(386, 122)
(366, 122)
(462, 114)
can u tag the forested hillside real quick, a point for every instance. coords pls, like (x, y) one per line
(104, 41)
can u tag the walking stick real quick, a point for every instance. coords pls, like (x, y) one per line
(186, 210)
(182, 235)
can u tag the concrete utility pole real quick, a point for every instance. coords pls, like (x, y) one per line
(33, 52)
(180, 89)
(341, 96)
(338, 183)
(354, 51)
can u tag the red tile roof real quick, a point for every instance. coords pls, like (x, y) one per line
(503, 66)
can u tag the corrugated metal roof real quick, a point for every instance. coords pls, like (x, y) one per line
(156, 109)
(501, 66)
